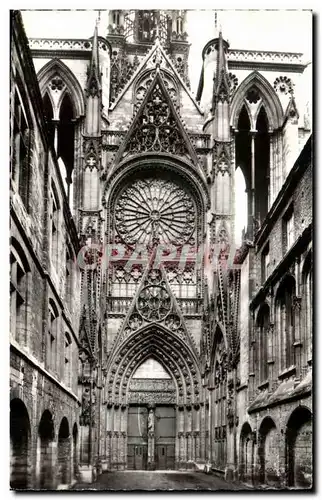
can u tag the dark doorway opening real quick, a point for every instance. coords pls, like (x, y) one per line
(19, 445)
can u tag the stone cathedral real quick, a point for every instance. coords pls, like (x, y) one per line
(141, 338)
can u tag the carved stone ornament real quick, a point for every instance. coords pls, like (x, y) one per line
(284, 85)
(149, 397)
(223, 91)
(233, 83)
(93, 87)
(57, 84)
(156, 128)
(135, 322)
(173, 322)
(121, 71)
(154, 303)
(253, 95)
(181, 64)
(145, 83)
(152, 209)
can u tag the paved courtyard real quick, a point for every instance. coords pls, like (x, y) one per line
(159, 480)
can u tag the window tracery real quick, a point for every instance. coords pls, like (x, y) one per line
(152, 209)
(252, 95)
(154, 303)
(283, 85)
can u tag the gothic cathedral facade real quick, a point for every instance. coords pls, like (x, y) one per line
(141, 337)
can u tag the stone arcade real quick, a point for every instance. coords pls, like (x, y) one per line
(140, 338)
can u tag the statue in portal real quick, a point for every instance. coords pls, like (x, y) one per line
(151, 421)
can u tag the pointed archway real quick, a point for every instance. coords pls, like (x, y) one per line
(218, 412)
(54, 68)
(151, 427)
(184, 395)
(246, 454)
(273, 107)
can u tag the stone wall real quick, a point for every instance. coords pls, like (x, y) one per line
(36, 384)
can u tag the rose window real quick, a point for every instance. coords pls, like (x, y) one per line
(154, 303)
(155, 210)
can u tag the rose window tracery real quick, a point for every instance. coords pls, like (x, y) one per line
(284, 85)
(155, 210)
(154, 303)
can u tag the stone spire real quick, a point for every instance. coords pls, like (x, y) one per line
(94, 91)
(93, 86)
(221, 93)
(221, 87)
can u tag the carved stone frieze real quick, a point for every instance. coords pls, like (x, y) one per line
(65, 44)
(152, 385)
(152, 397)
(264, 57)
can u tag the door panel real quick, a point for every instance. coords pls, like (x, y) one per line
(165, 431)
(137, 448)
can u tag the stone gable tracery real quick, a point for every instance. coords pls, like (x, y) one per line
(157, 130)
(154, 303)
(144, 83)
(157, 126)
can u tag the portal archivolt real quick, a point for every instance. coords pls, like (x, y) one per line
(170, 410)
(171, 352)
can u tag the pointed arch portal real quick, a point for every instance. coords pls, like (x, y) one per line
(151, 426)
(153, 422)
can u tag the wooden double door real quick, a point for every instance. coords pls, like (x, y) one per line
(161, 446)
